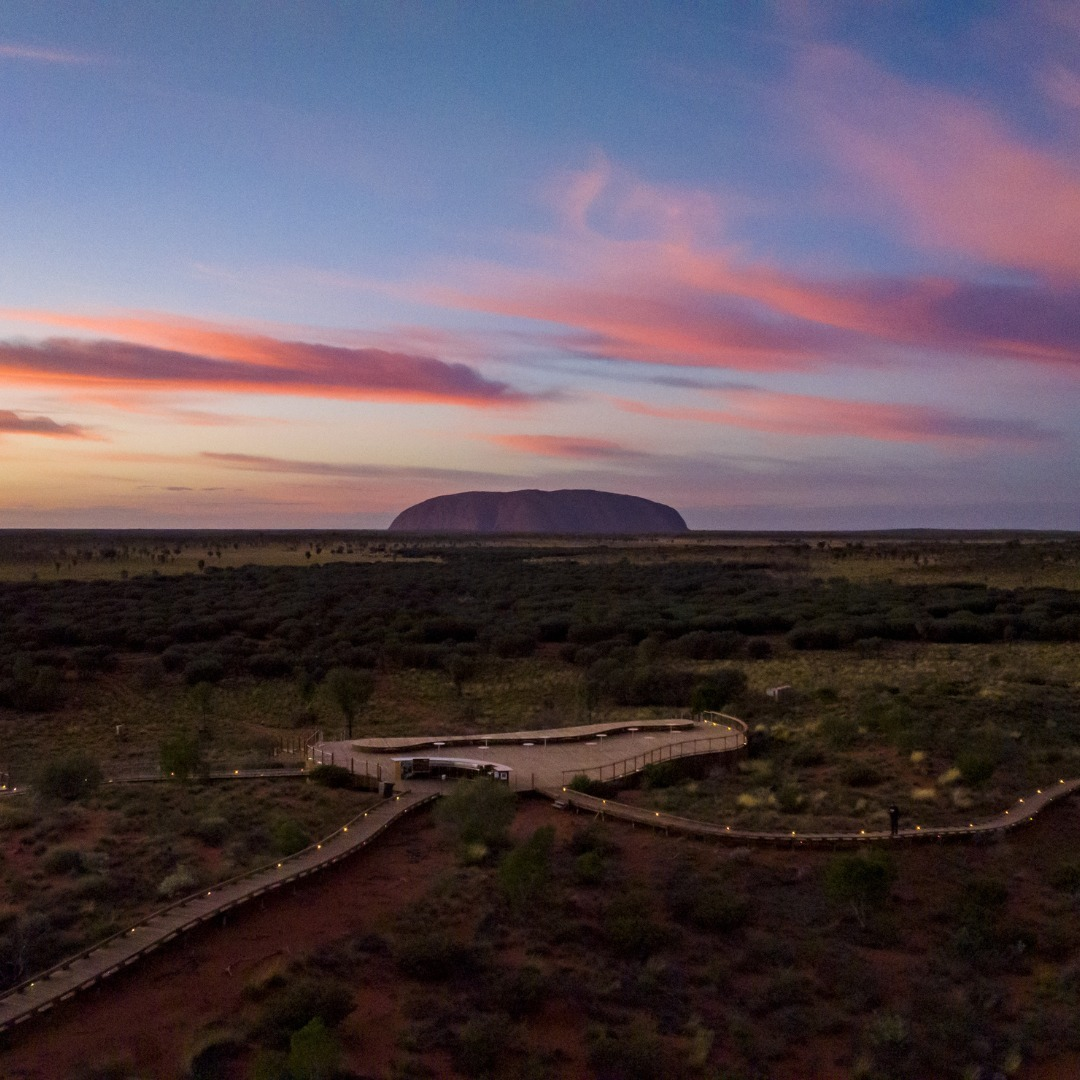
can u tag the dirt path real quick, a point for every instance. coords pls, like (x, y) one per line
(146, 1017)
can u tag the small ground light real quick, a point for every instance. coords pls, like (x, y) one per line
(346, 829)
(279, 866)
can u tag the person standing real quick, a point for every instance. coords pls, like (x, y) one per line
(894, 820)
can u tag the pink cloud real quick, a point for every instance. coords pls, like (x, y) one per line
(808, 415)
(177, 354)
(564, 446)
(13, 424)
(965, 181)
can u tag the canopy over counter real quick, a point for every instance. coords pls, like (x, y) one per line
(405, 768)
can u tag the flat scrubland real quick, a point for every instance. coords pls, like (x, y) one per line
(940, 672)
(566, 948)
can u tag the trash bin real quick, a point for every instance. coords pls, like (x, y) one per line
(387, 789)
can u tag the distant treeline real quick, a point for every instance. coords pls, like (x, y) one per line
(273, 622)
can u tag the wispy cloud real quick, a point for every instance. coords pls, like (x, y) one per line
(44, 54)
(13, 424)
(668, 297)
(176, 354)
(344, 470)
(966, 182)
(807, 415)
(565, 446)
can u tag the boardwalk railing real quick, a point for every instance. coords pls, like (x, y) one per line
(734, 738)
(1023, 812)
(119, 951)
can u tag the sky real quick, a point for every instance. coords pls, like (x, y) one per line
(790, 265)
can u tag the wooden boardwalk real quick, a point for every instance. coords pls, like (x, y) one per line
(1021, 813)
(91, 966)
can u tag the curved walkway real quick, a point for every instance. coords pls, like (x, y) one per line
(91, 966)
(539, 760)
(1021, 813)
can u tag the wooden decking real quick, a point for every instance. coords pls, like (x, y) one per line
(1021, 813)
(90, 967)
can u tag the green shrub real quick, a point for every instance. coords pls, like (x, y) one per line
(332, 776)
(289, 836)
(478, 811)
(661, 774)
(590, 868)
(64, 860)
(586, 785)
(525, 872)
(211, 830)
(861, 775)
(976, 766)
(630, 929)
(180, 756)
(314, 1052)
(68, 777)
(288, 1008)
(861, 883)
(432, 955)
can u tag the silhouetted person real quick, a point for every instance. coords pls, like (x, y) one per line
(894, 819)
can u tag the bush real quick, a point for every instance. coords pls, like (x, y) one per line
(332, 776)
(432, 955)
(861, 883)
(661, 774)
(525, 872)
(718, 690)
(314, 1052)
(477, 811)
(64, 860)
(181, 756)
(976, 766)
(180, 882)
(68, 777)
(291, 1007)
(629, 928)
(586, 785)
(288, 837)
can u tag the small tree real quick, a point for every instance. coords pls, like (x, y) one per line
(350, 690)
(860, 882)
(181, 756)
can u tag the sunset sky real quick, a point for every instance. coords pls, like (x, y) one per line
(780, 265)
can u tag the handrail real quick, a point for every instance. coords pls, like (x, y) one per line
(619, 770)
(216, 887)
(1026, 809)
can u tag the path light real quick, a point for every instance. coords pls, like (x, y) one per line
(862, 832)
(346, 828)
(318, 847)
(236, 772)
(918, 828)
(279, 866)
(1021, 800)
(1038, 791)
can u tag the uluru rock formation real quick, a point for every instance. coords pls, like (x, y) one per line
(531, 511)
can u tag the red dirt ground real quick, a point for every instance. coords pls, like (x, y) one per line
(148, 1016)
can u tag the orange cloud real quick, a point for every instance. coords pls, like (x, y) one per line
(180, 354)
(563, 446)
(808, 415)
